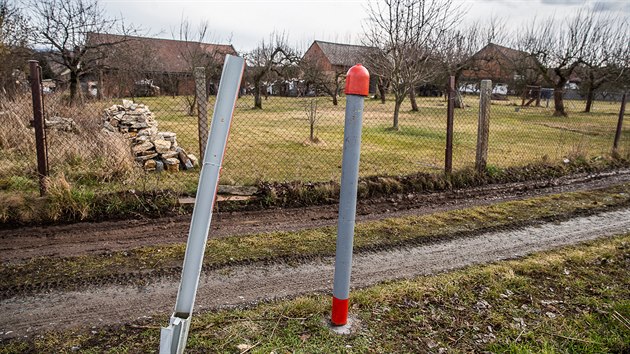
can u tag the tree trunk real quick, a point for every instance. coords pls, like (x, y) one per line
(192, 102)
(257, 98)
(74, 87)
(381, 90)
(412, 98)
(459, 99)
(397, 105)
(334, 99)
(558, 100)
(99, 91)
(589, 99)
(312, 131)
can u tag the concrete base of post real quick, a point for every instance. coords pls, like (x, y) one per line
(351, 326)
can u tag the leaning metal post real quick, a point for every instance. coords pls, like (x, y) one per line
(357, 87)
(173, 338)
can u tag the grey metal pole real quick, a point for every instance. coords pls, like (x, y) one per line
(173, 338)
(357, 87)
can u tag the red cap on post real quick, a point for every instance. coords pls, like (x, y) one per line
(358, 81)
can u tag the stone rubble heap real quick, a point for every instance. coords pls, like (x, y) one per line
(155, 150)
(61, 124)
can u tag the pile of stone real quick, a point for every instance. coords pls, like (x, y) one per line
(155, 150)
(61, 124)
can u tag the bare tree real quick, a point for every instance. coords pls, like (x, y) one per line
(274, 56)
(605, 55)
(329, 79)
(405, 33)
(457, 47)
(14, 34)
(312, 116)
(63, 26)
(559, 48)
(129, 70)
(328, 82)
(197, 53)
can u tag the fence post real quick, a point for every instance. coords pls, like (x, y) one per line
(202, 109)
(485, 95)
(450, 112)
(38, 124)
(357, 87)
(622, 111)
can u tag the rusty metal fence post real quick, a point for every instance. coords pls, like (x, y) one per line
(622, 111)
(38, 124)
(448, 158)
(485, 94)
(202, 109)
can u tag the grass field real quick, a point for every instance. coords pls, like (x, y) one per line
(272, 144)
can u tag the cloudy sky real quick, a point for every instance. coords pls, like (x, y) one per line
(245, 22)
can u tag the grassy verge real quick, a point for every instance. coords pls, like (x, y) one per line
(298, 193)
(571, 300)
(67, 202)
(43, 273)
(81, 204)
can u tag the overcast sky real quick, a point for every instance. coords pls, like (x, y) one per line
(245, 22)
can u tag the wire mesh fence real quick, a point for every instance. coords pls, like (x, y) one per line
(149, 143)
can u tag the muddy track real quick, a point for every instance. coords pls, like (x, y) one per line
(143, 277)
(249, 284)
(17, 245)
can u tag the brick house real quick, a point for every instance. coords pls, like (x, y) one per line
(502, 65)
(165, 63)
(335, 59)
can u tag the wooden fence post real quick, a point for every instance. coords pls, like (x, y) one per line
(485, 96)
(622, 111)
(202, 109)
(38, 124)
(450, 111)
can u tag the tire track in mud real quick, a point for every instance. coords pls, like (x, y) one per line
(18, 245)
(249, 284)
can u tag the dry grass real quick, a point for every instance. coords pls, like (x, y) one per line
(86, 154)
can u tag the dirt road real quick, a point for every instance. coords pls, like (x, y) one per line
(17, 245)
(26, 316)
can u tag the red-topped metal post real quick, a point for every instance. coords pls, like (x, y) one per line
(357, 87)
